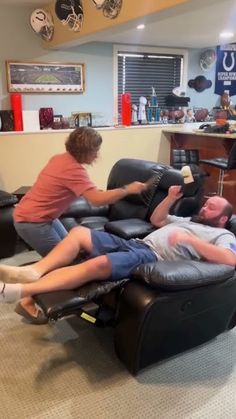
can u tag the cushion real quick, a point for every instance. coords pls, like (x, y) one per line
(7, 199)
(96, 223)
(130, 228)
(182, 275)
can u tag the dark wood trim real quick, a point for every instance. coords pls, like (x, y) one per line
(210, 147)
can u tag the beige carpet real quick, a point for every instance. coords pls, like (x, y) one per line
(70, 370)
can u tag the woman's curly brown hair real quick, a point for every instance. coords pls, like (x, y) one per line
(82, 142)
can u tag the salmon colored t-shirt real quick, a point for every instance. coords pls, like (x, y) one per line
(61, 181)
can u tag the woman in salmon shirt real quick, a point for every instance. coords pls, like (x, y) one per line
(61, 181)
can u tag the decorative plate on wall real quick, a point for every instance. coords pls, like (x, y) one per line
(41, 22)
(70, 13)
(200, 83)
(207, 59)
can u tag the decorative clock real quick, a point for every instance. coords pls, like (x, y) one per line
(70, 13)
(41, 22)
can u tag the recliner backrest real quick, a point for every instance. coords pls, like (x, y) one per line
(231, 224)
(126, 171)
(190, 202)
(141, 206)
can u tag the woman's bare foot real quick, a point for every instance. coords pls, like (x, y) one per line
(29, 305)
(29, 311)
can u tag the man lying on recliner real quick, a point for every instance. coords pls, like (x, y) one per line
(110, 257)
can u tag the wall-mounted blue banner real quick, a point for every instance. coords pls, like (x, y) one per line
(226, 69)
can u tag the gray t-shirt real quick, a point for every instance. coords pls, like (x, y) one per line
(158, 240)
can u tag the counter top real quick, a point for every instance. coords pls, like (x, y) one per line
(53, 131)
(193, 129)
(186, 128)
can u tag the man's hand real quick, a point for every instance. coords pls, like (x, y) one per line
(175, 192)
(160, 213)
(179, 237)
(207, 251)
(135, 187)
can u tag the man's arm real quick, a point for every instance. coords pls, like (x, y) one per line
(160, 213)
(210, 252)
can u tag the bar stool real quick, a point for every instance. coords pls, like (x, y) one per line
(181, 157)
(223, 164)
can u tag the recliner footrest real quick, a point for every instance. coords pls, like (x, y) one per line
(58, 304)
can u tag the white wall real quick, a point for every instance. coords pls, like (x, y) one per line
(23, 155)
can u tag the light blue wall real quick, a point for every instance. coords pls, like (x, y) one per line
(98, 59)
(206, 99)
(25, 45)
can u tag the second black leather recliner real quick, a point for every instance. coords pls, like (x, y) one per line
(8, 235)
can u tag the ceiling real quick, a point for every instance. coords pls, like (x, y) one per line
(195, 24)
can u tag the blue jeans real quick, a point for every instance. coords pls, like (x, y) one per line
(42, 237)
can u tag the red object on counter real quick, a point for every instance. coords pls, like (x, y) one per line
(16, 106)
(126, 109)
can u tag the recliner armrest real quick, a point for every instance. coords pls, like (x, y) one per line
(174, 276)
(129, 228)
(82, 208)
(7, 199)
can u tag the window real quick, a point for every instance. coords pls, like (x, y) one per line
(139, 71)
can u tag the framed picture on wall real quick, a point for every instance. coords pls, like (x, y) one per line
(82, 119)
(29, 77)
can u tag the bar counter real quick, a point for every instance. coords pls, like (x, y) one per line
(209, 145)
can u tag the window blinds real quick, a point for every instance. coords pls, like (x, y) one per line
(137, 73)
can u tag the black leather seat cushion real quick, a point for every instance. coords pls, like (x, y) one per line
(130, 228)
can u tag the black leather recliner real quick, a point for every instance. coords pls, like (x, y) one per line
(8, 235)
(130, 216)
(165, 307)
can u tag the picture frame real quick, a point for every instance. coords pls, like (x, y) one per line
(82, 119)
(37, 77)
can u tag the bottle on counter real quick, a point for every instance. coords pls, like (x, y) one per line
(225, 100)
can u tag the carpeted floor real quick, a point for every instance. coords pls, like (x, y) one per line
(69, 370)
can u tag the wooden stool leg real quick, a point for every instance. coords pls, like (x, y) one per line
(220, 182)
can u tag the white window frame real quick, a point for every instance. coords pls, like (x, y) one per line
(143, 49)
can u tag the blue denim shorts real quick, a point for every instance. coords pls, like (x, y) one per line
(124, 255)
